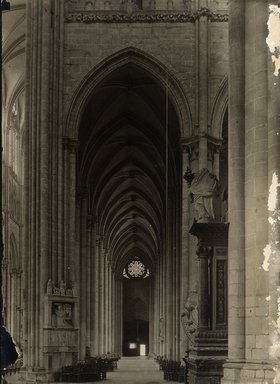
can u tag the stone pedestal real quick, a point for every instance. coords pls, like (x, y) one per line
(208, 351)
(60, 332)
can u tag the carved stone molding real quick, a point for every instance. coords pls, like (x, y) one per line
(203, 251)
(60, 289)
(141, 17)
(189, 319)
(191, 146)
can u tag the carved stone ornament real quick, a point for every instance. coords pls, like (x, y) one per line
(205, 190)
(62, 315)
(189, 320)
(61, 290)
(141, 17)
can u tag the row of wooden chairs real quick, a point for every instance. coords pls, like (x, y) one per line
(172, 370)
(91, 369)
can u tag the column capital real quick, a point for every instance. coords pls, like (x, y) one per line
(203, 251)
(190, 145)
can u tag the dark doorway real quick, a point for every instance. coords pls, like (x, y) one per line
(136, 317)
(136, 338)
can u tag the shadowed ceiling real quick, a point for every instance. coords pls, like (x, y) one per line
(122, 162)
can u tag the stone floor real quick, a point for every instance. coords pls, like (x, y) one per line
(136, 370)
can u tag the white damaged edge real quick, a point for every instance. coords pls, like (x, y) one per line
(271, 254)
(273, 39)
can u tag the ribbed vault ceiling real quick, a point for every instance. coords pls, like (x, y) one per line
(122, 162)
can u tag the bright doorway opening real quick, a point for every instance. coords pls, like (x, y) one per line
(142, 349)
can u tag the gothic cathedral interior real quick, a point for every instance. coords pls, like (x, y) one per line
(141, 185)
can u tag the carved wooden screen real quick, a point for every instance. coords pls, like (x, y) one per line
(219, 284)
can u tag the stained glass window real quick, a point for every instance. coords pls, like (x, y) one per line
(136, 269)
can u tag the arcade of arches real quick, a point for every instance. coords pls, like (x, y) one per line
(137, 168)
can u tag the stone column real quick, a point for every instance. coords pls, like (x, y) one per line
(236, 246)
(96, 294)
(119, 325)
(169, 271)
(202, 65)
(184, 267)
(203, 299)
(83, 313)
(101, 298)
(93, 310)
(88, 274)
(216, 160)
(112, 309)
(106, 303)
(273, 267)
(155, 309)
(256, 280)
(37, 175)
(72, 262)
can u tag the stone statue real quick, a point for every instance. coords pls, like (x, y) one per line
(62, 287)
(189, 319)
(205, 189)
(161, 329)
(49, 287)
(152, 4)
(72, 290)
(170, 4)
(89, 6)
(62, 315)
(107, 5)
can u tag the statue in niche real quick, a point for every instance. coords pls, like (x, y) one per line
(62, 315)
(89, 6)
(49, 287)
(205, 190)
(62, 288)
(152, 5)
(56, 290)
(161, 329)
(73, 288)
(130, 6)
(107, 5)
(187, 4)
(189, 319)
(170, 4)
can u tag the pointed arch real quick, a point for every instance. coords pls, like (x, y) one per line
(158, 71)
(219, 108)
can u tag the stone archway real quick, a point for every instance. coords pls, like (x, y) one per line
(161, 74)
(129, 183)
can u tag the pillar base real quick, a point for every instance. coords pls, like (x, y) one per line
(248, 373)
(205, 369)
(207, 357)
(33, 376)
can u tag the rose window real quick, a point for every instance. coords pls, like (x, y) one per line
(135, 269)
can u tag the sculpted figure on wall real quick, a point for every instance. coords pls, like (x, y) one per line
(205, 189)
(62, 287)
(49, 287)
(62, 315)
(161, 329)
(189, 319)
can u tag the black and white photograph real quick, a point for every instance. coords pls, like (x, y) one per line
(140, 173)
